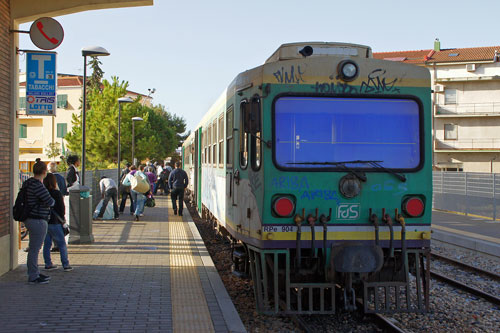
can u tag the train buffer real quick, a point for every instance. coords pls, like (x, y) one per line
(152, 275)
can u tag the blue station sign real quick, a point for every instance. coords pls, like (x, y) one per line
(41, 83)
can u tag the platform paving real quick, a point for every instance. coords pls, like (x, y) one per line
(472, 232)
(152, 275)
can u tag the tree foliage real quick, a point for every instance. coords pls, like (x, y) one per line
(155, 138)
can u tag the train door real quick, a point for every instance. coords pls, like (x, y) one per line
(230, 134)
(196, 167)
(239, 159)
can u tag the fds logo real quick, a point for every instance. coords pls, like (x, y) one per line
(348, 211)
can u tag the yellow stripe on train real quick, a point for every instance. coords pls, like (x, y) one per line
(345, 235)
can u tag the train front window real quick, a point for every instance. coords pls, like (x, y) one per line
(317, 132)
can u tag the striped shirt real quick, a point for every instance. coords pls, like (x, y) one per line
(39, 199)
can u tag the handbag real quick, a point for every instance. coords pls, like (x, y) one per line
(150, 202)
(65, 225)
(139, 184)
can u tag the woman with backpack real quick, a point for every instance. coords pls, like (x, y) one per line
(39, 202)
(55, 226)
(139, 185)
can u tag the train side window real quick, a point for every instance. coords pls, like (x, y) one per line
(214, 143)
(229, 137)
(243, 135)
(255, 144)
(221, 141)
(203, 146)
(209, 142)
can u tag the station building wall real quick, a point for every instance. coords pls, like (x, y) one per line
(6, 134)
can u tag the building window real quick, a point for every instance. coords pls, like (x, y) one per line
(22, 102)
(62, 129)
(23, 131)
(229, 136)
(450, 131)
(62, 101)
(450, 96)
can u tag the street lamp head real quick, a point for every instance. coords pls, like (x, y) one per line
(125, 100)
(137, 119)
(94, 51)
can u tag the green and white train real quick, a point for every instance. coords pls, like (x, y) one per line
(317, 165)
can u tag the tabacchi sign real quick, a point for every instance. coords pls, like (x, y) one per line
(41, 83)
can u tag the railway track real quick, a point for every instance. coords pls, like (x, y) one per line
(462, 286)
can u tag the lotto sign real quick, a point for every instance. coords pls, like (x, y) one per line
(41, 83)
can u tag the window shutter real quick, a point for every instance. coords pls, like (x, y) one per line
(62, 101)
(23, 131)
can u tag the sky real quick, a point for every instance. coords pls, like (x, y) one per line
(190, 51)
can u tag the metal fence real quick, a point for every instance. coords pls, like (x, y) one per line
(93, 175)
(467, 192)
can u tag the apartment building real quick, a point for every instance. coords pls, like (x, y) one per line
(466, 104)
(36, 133)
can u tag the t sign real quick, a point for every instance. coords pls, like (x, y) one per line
(41, 83)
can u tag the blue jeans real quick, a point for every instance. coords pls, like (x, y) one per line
(55, 232)
(37, 229)
(140, 200)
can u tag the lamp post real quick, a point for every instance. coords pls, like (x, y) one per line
(90, 51)
(120, 101)
(134, 119)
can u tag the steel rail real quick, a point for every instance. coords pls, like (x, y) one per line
(489, 297)
(381, 320)
(466, 266)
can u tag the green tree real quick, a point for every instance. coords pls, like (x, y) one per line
(155, 138)
(52, 150)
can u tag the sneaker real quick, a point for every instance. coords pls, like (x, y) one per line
(68, 269)
(117, 218)
(39, 280)
(51, 267)
(137, 218)
(175, 211)
(141, 215)
(45, 277)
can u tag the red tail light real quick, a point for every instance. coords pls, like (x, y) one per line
(413, 206)
(283, 207)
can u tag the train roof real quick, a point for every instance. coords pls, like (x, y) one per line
(319, 49)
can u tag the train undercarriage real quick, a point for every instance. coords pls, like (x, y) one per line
(317, 281)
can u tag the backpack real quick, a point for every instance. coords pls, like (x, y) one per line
(164, 175)
(21, 210)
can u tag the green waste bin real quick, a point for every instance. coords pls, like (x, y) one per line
(80, 215)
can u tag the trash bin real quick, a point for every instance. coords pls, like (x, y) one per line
(80, 215)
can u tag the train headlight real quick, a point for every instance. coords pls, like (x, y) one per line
(413, 206)
(349, 186)
(348, 70)
(283, 206)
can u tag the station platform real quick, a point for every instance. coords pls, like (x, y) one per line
(152, 275)
(471, 232)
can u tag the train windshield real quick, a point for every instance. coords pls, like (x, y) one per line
(324, 132)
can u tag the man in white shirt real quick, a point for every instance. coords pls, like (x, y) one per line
(159, 184)
(109, 190)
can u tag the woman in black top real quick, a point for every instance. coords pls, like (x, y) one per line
(73, 176)
(55, 229)
(39, 202)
